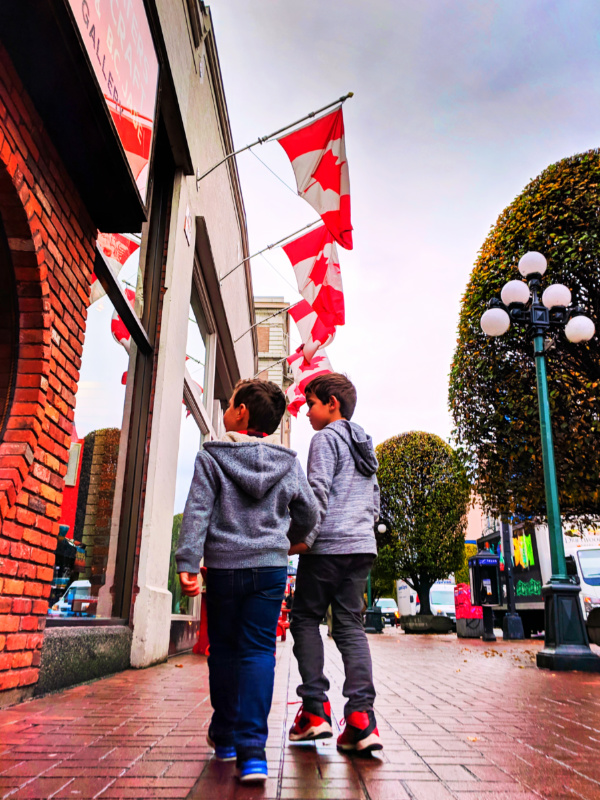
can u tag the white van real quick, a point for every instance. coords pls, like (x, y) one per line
(441, 599)
(76, 600)
(587, 563)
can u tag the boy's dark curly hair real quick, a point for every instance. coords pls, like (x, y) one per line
(264, 400)
(334, 384)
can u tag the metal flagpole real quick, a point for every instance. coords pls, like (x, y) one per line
(264, 319)
(268, 247)
(266, 369)
(263, 139)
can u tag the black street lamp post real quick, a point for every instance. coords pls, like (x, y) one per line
(512, 624)
(566, 645)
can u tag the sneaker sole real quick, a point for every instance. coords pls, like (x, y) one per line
(253, 777)
(366, 745)
(210, 743)
(321, 732)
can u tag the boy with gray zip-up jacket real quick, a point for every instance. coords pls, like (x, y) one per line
(335, 560)
(248, 494)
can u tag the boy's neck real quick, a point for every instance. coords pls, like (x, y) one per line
(336, 417)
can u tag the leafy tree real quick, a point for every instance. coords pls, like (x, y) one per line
(461, 575)
(492, 383)
(424, 497)
(383, 583)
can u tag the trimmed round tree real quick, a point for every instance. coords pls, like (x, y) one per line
(425, 496)
(492, 383)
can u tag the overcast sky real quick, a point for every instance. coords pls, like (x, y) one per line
(458, 104)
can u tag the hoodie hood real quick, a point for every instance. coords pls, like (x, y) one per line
(360, 444)
(255, 467)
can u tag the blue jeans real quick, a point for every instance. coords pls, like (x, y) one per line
(243, 606)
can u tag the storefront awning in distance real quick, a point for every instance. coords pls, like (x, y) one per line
(44, 46)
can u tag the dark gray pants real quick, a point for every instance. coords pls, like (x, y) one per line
(339, 581)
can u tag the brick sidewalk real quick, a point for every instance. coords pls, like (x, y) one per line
(459, 719)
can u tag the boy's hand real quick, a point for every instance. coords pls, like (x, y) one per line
(298, 549)
(189, 584)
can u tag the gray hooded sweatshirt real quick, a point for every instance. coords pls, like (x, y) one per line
(246, 496)
(341, 471)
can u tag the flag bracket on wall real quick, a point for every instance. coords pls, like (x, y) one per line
(268, 247)
(263, 139)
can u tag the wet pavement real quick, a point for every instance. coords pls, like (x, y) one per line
(460, 719)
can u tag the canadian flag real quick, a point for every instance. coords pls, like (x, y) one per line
(318, 155)
(118, 249)
(313, 332)
(117, 326)
(303, 374)
(315, 261)
(295, 399)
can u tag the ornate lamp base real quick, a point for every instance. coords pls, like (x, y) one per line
(566, 644)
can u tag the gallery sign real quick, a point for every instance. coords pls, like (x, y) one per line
(117, 37)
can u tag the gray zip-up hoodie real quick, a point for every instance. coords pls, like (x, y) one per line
(341, 471)
(246, 495)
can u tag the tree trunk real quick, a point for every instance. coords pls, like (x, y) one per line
(423, 588)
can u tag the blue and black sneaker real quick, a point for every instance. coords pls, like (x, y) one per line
(252, 766)
(223, 752)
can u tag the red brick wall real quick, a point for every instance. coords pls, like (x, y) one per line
(51, 240)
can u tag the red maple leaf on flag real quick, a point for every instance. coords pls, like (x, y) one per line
(318, 272)
(328, 174)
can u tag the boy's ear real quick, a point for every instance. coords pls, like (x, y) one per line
(241, 411)
(334, 403)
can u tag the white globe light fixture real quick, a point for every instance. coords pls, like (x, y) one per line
(515, 292)
(532, 263)
(495, 322)
(556, 295)
(381, 528)
(579, 329)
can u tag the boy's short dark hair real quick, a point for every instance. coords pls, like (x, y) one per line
(264, 400)
(334, 384)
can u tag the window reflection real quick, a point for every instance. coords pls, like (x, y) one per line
(87, 533)
(196, 347)
(190, 441)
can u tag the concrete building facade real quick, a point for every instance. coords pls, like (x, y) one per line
(274, 344)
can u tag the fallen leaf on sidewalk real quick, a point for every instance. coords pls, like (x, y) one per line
(179, 665)
(473, 738)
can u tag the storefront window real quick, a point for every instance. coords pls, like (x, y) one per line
(89, 514)
(190, 440)
(194, 428)
(196, 348)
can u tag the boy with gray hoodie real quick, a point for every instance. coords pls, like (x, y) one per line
(334, 563)
(247, 495)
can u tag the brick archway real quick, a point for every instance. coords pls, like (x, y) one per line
(24, 418)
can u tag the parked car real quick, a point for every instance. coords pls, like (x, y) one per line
(389, 610)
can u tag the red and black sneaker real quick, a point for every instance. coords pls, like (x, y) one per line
(312, 724)
(360, 733)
